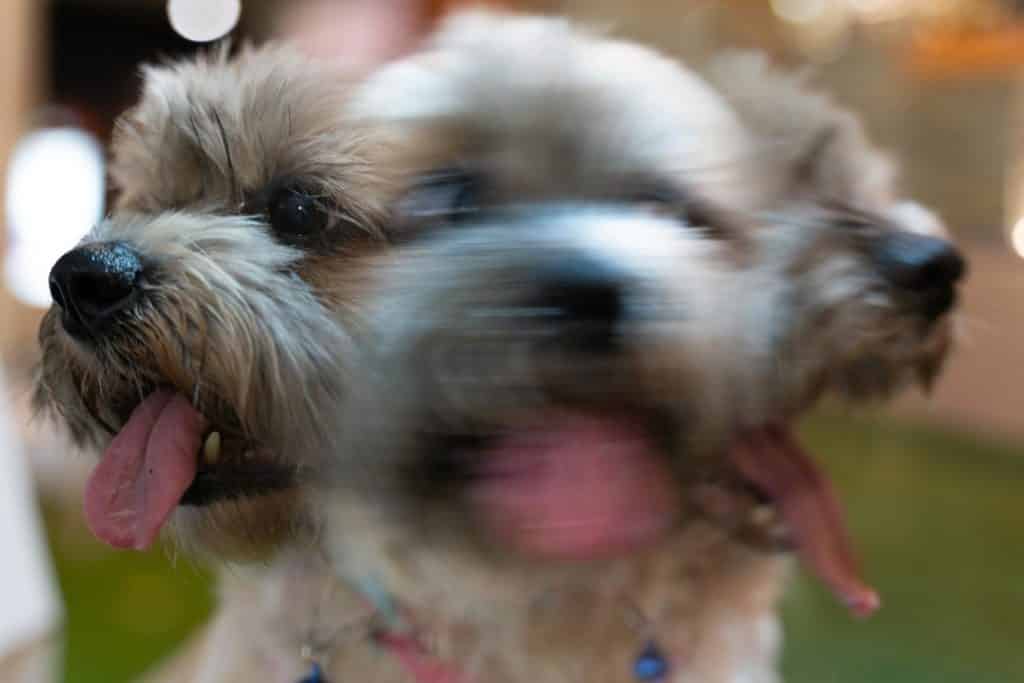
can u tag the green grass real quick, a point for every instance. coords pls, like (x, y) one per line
(937, 517)
(124, 610)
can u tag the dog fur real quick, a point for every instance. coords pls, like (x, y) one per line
(231, 308)
(546, 113)
(564, 115)
(835, 194)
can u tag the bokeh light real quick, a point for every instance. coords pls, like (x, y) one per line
(55, 194)
(880, 10)
(1017, 238)
(799, 11)
(203, 20)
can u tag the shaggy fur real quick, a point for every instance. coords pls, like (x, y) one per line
(652, 171)
(233, 313)
(561, 142)
(833, 321)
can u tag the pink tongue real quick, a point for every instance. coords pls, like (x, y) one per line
(144, 472)
(583, 489)
(771, 459)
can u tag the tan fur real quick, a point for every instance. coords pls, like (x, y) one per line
(251, 326)
(831, 322)
(808, 147)
(555, 113)
(533, 104)
(224, 319)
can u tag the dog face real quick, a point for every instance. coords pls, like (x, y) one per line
(858, 302)
(855, 285)
(533, 337)
(555, 367)
(194, 338)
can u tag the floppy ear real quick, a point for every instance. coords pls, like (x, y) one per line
(810, 144)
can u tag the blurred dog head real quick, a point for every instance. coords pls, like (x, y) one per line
(857, 286)
(569, 332)
(194, 338)
(540, 343)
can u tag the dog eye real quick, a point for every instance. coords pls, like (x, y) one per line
(847, 218)
(667, 200)
(449, 193)
(658, 196)
(853, 224)
(295, 212)
(692, 211)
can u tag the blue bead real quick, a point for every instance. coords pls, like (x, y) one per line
(650, 664)
(315, 675)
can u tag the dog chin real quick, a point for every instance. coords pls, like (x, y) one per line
(242, 530)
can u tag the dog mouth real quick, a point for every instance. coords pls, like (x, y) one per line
(581, 487)
(167, 454)
(773, 463)
(573, 487)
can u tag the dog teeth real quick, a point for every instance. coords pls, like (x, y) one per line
(211, 448)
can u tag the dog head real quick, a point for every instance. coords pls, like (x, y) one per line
(857, 286)
(194, 339)
(541, 341)
(555, 367)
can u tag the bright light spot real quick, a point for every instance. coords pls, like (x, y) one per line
(879, 10)
(1017, 238)
(203, 20)
(799, 11)
(55, 191)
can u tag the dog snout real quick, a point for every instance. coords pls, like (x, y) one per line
(586, 294)
(583, 290)
(925, 266)
(94, 284)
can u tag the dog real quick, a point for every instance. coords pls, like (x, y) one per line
(876, 333)
(571, 454)
(218, 156)
(197, 339)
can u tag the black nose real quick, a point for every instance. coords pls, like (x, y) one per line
(93, 284)
(919, 262)
(926, 267)
(587, 295)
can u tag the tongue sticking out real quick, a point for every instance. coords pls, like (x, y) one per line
(144, 472)
(774, 462)
(580, 489)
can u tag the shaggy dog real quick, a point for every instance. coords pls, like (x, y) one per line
(540, 239)
(196, 339)
(570, 456)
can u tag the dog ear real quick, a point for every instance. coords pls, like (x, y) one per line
(807, 165)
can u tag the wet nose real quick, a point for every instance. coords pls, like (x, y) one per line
(927, 267)
(919, 262)
(93, 284)
(586, 294)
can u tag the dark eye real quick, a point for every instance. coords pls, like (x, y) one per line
(668, 200)
(851, 219)
(658, 196)
(295, 212)
(447, 194)
(693, 211)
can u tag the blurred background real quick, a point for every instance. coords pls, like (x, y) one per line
(935, 485)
